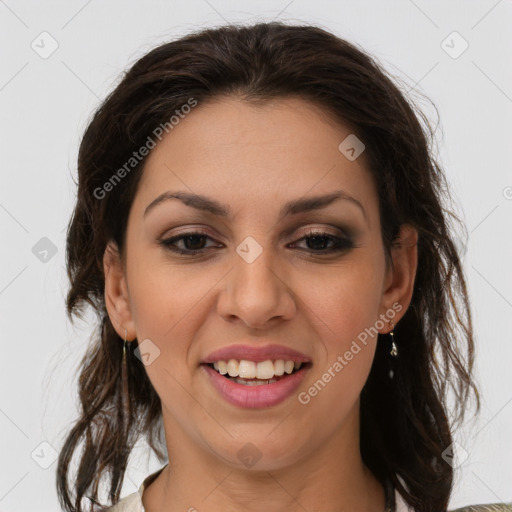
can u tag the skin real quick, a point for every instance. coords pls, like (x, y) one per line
(253, 159)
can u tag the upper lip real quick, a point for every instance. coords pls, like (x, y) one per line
(259, 353)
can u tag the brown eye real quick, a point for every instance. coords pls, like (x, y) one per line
(322, 242)
(192, 242)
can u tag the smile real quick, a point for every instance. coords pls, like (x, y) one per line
(248, 384)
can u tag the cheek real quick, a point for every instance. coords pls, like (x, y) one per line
(346, 298)
(344, 306)
(167, 298)
(345, 353)
(169, 304)
(349, 337)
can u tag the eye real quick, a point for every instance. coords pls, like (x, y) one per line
(193, 242)
(317, 242)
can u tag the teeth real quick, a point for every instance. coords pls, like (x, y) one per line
(222, 367)
(288, 366)
(279, 367)
(263, 370)
(253, 382)
(233, 368)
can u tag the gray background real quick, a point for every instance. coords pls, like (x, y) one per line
(46, 102)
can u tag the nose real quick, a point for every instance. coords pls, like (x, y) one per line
(256, 293)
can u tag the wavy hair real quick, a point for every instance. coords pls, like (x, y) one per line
(405, 425)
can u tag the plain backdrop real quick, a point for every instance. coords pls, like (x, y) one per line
(59, 59)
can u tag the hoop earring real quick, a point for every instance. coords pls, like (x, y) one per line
(394, 350)
(125, 391)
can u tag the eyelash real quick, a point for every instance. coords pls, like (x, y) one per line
(341, 244)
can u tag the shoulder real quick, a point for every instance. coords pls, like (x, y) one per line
(401, 506)
(491, 507)
(130, 503)
(133, 502)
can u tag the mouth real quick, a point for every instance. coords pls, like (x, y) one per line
(250, 373)
(251, 392)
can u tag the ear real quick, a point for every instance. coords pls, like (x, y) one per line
(400, 275)
(116, 293)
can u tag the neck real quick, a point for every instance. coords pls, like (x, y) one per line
(195, 479)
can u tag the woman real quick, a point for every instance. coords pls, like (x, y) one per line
(260, 228)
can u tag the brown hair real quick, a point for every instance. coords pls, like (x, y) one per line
(405, 425)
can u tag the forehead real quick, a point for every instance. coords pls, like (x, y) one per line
(251, 153)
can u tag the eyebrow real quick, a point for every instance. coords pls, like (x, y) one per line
(293, 207)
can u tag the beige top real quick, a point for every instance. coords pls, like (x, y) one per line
(133, 502)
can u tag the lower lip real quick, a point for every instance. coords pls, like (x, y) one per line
(255, 397)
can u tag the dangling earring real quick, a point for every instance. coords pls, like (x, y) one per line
(125, 396)
(394, 350)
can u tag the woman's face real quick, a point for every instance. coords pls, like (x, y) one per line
(256, 281)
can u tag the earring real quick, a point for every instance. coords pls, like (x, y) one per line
(125, 397)
(394, 350)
